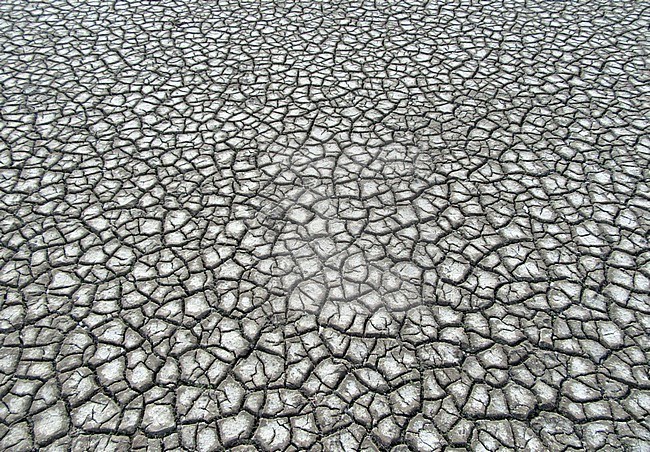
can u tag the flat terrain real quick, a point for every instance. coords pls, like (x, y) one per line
(327, 226)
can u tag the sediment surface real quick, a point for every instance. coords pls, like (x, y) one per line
(327, 226)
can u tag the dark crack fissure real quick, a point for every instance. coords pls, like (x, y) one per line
(326, 226)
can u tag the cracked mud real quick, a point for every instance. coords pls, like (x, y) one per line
(326, 226)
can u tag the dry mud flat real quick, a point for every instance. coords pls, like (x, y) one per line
(326, 226)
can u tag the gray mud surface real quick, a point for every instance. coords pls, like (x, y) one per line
(326, 226)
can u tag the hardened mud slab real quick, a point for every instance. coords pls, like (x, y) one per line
(324, 225)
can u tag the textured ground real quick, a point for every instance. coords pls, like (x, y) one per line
(332, 226)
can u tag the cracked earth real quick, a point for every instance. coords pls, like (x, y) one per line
(326, 226)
